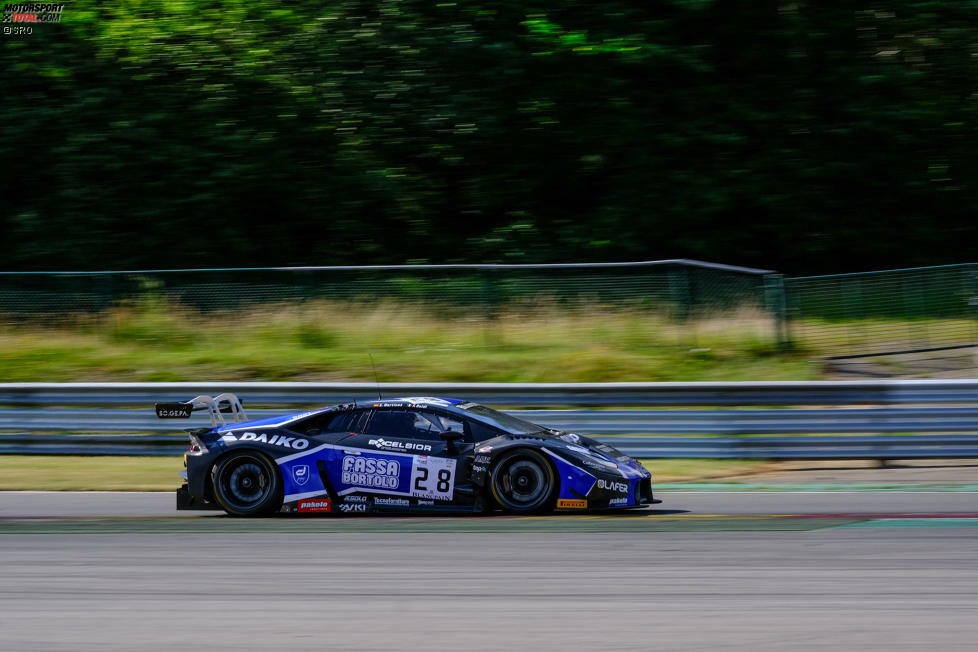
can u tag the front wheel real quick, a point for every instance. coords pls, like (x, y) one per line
(523, 481)
(247, 483)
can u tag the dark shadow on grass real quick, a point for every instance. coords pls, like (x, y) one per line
(618, 513)
(889, 465)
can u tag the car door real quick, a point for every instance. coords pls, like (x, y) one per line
(405, 455)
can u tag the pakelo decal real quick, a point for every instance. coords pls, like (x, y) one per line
(318, 505)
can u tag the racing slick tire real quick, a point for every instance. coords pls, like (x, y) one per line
(247, 483)
(523, 481)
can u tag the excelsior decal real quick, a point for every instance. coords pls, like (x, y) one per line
(398, 445)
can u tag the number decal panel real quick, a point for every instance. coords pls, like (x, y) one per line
(433, 477)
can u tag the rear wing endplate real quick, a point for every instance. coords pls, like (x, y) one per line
(222, 403)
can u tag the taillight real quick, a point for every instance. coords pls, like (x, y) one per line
(197, 447)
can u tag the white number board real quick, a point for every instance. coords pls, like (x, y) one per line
(432, 477)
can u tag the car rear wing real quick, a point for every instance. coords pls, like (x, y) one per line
(216, 407)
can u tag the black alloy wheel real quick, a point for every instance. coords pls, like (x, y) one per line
(247, 483)
(523, 481)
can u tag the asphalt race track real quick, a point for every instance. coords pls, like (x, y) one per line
(883, 570)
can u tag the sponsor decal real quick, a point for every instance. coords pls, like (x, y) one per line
(482, 459)
(398, 445)
(276, 440)
(618, 487)
(370, 472)
(354, 499)
(346, 452)
(228, 438)
(423, 503)
(433, 477)
(479, 469)
(564, 503)
(392, 502)
(591, 464)
(484, 449)
(300, 474)
(578, 449)
(318, 505)
(571, 438)
(617, 501)
(427, 400)
(346, 509)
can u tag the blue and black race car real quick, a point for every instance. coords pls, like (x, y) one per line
(403, 455)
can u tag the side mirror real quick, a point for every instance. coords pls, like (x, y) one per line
(450, 438)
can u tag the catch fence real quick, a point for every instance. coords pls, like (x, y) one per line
(903, 310)
(870, 313)
(679, 288)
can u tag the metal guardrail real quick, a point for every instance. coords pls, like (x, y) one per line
(72, 418)
(780, 393)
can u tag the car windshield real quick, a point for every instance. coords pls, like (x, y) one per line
(502, 420)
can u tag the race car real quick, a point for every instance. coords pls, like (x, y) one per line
(417, 454)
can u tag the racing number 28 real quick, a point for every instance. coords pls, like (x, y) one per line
(444, 480)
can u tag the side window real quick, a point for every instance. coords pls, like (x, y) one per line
(412, 424)
(392, 423)
(482, 432)
(432, 424)
(330, 422)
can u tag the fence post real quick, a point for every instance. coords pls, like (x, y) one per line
(490, 298)
(776, 301)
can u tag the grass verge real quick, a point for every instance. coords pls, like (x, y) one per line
(330, 341)
(118, 473)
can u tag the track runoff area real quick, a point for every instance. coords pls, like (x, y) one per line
(705, 570)
(802, 508)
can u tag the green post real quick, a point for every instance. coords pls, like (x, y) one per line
(776, 301)
(490, 298)
(679, 292)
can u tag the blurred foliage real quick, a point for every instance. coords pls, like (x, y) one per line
(800, 136)
(388, 341)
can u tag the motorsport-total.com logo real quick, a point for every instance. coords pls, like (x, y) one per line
(26, 15)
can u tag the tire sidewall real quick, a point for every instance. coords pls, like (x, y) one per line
(524, 453)
(271, 502)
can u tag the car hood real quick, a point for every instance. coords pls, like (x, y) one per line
(594, 455)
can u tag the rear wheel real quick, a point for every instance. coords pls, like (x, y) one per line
(247, 483)
(523, 481)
